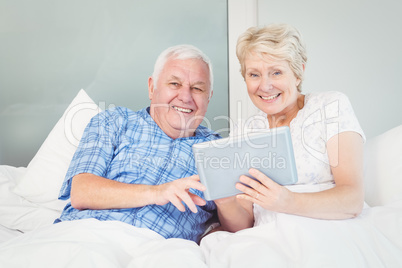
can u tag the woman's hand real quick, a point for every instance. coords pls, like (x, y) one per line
(343, 201)
(264, 191)
(177, 191)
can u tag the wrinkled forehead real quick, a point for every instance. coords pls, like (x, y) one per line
(190, 70)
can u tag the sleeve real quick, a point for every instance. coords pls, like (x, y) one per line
(96, 149)
(340, 116)
(210, 206)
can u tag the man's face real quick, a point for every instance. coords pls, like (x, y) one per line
(180, 98)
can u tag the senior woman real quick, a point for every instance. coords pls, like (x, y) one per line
(327, 138)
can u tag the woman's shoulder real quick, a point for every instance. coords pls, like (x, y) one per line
(326, 99)
(326, 96)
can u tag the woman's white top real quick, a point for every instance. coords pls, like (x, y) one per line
(324, 115)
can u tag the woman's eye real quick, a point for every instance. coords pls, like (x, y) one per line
(252, 75)
(277, 72)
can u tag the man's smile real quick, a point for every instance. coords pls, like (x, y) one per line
(183, 110)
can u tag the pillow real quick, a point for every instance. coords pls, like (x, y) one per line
(383, 168)
(45, 173)
(16, 212)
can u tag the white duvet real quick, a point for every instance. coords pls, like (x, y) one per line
(92, 243)
(373, 239)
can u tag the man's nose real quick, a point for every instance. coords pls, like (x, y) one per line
(185, 94)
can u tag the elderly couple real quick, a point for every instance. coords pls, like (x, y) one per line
(105, 183)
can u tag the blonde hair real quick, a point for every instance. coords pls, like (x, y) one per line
(278, 41)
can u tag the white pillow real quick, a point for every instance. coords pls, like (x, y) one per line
(383, 168)
(16, 212)
(45, 173)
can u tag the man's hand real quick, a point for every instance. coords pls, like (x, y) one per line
(177, 192)
(89, 191)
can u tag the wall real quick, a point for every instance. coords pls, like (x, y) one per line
(354, 46)
(50, 49)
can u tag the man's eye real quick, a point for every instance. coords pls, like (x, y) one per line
(198, 89)
(175, 84)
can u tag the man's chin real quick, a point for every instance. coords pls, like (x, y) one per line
(185, 125)
(185, 132)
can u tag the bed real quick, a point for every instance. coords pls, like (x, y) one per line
(29, 205)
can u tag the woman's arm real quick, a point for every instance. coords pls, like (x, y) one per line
(235, 214)
(345, 200)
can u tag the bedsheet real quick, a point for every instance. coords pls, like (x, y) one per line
(373, 239)
(17, 213)
(6, 233)
(93, 243)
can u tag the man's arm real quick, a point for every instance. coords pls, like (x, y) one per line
(89, 191)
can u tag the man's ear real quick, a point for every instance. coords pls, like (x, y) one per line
(210, 95)
(150, 87)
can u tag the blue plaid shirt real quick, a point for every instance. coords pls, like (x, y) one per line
(129, 147)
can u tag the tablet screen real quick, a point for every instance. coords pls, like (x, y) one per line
(220, 163)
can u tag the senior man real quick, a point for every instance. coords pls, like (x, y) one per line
(138, 167)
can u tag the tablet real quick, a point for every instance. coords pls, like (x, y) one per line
(221, 162)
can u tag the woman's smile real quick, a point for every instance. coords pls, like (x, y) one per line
(270, 98)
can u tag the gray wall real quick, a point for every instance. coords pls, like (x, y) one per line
(49, 49)
(354, 46)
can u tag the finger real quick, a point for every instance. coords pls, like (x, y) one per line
(177, 203)
(194, 183)
(265, 180)
(248, 198)
(252, 183)
(197, 200)
(247, 190)
(185, 197)
(194, 177)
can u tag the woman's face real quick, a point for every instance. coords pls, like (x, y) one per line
(271, 85)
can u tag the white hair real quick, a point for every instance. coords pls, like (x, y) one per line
(181, 52)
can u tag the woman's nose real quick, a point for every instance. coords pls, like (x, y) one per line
(266, 84)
